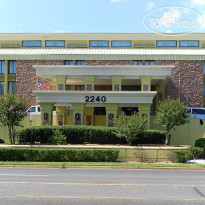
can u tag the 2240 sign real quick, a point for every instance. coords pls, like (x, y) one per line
(95, 99)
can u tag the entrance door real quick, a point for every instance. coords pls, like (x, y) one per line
(88, 120)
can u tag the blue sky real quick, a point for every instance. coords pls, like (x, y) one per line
(85, 16)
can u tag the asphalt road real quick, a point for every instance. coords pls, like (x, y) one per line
(101, 186)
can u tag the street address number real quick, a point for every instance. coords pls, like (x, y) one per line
(95, 99)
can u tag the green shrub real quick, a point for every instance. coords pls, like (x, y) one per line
(58, 155)
(73, 134)
(200, 143)
(2, 141)
(182, 156)
(192, 153)
(196, 152)
(58, 138)
(86, 134)
(150, 137)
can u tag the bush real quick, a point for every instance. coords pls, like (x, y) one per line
(2, 141)
(150, 137)
(192, 153)
(196, 152)
(58, 155)
(86, 134)
(73, 134)
(58, 138)
(182, 156)
(200, 143)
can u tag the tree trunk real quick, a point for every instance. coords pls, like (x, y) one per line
(10, 134)
(13, 134)
(167, 140)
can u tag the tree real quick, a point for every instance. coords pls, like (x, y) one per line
(129, 126)
(171, 113)
(12, 112)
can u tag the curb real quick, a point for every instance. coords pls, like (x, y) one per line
(101, 167)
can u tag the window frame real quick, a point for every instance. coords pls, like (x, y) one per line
(31, 45)
(77, 61)
(97, 46)
(135, 62)
(68, 61)
(2, 84)
(166, 42)
(14, 69)
(148, 61)
(12, 86)
(2, 67)
(182, 41)
(117, 41)
(48, 41)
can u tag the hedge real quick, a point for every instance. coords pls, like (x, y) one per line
(58, 155)
(86, 134)
(150, 137)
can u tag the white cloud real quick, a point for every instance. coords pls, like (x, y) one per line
(169, 31)
(198, 2)
(150, 5)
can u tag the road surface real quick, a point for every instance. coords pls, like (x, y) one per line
(101, 186)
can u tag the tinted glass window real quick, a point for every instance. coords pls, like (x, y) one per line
(166, 43)
(99, 111)
(121, 43)
(55, 43)
(80, 62)
(12, 87)
(1, 88)
(149, 62)
(189, 43)
(99, 43)
(137, 62)
(31, 43)
(12, 67)
(198, 111)
(2, 67)
(68, 62)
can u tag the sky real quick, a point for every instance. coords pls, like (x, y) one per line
(100, 16)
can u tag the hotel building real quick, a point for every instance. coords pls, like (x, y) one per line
(91, 78)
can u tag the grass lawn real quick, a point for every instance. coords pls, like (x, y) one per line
(102, 164)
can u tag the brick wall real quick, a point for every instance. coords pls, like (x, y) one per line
(26, 79)
(190, 89)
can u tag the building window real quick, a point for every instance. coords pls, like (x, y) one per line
(121, 43)
(12, 87)
(80, 62)
(12, 67)
(80, 87)
(1, 88)
(204, 68)
(188, 43)
(166, 43)
(149, 62)
(2, 67)
(55, 43)
(99, 111)
(99, 43)
(69, 111)
(31, 43)
(68, 62)
(137, 62)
